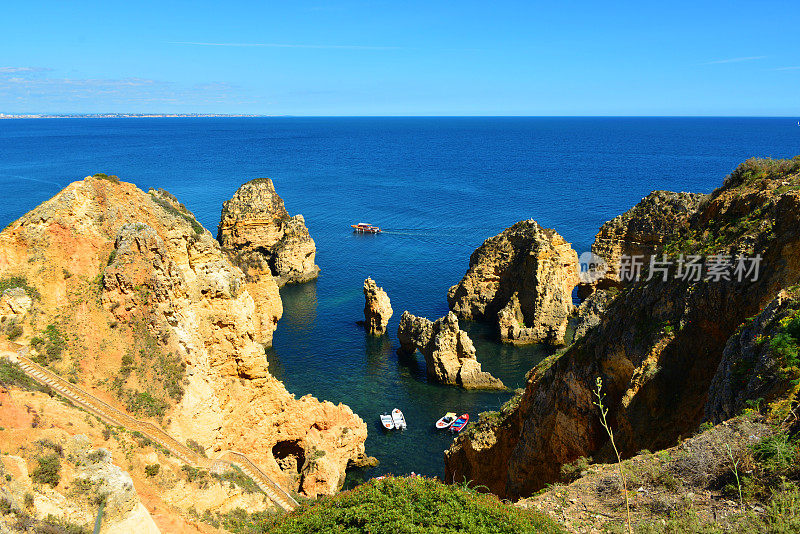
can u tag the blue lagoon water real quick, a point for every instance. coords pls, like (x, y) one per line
(438, 187)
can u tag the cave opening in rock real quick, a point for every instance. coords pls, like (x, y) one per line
(289, 455)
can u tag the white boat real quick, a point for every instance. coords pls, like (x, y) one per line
(446, 421)
(386, 421)
(399, 419)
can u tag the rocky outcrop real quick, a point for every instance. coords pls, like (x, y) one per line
(522, 280)
(151, 291)
(645, 228)
(657, 348)
(590, 312)
(261, 238)
(449, 352)
(377, 308)
(754, 366)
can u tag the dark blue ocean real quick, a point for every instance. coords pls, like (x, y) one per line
(438, 187)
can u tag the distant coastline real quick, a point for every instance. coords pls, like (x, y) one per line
(121, 115)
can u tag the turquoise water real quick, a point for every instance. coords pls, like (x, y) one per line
(438, 186)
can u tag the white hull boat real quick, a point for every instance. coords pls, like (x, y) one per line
(446, 421)
(386, 421)
(399, 419)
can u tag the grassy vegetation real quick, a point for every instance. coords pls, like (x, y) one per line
(12, 375)
(19, 281)
(762, 168)
(237, 478)
(49, 345)
(396, 506)
(161, 375)
(491, 419)
(48, 471)
(110, 177)
(179, 211)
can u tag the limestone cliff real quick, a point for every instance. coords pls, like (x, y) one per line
(644, 228)
(259, 236)
(522, 280)
(449, 352)
(135, 300)
(377, 308)
(658, 346)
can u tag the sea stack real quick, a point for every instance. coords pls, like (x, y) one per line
(448, 350)
(522, 280)
(377, 308)
(259, 236)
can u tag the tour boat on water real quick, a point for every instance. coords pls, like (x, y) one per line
(459, 424)
(446, 421)
(386, 421)
(365, 228)
(399, 419)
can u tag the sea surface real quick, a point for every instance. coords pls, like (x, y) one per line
(437, 186)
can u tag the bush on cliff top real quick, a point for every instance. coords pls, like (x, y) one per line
(396, 506)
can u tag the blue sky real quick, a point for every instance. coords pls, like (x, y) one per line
(402, 58)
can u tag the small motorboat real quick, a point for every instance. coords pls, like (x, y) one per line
(399, 419)
(446, 421)
(459, 424)
(386, 421)
(365, 228)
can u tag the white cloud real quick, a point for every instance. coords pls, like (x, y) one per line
(788, 68)
(734, 60)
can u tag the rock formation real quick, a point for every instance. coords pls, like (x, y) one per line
(449, 352)
(149, 290)
(657, 348)
(522, 280)
(377, 308)
(261, 238)
(590, 312)
(645, 228)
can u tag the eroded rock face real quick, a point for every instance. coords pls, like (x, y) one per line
(658, 348)
(449, 352)
(377, 308)
(751, 368)
(522, 280)
(260, 237)
(590, 312)
(139, 277)
(643, 229)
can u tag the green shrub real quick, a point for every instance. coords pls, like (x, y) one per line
(19, 281)
(196, 447)
(573, 471)
(398, 505)
(110, 177)
(48, 471)
(14, 331)
(28, 500)
(12, 375)
(152, 469)
(236, 477)
(142, 402)
(49, 346)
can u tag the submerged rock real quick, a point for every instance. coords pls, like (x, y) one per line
(522, 280)
(449, 352)
(261, 238)
(377, 308)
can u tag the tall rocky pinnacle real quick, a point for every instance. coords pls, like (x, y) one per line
(522, 281)
(128, 280)
(449, 352)
(259, 236)
(377, 308)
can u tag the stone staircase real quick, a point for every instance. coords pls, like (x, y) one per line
(116, 417)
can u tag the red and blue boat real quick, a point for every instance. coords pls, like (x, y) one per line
(459, 424)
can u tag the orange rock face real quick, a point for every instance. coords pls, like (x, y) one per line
(137, 302)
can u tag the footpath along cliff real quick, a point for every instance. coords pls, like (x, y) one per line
(124, 293)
